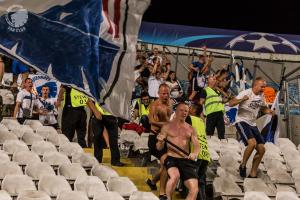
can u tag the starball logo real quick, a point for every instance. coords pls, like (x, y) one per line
(16, 17)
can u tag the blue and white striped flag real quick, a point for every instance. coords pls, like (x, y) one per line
(88, 44)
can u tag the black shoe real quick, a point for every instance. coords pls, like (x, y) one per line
(163, 197)
(251, 176)
(151, 185)
(243, 172)
(118, 164)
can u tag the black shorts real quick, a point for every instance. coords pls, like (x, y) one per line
(152, 147)
(247, 132)
(187, 168)
(215, 120)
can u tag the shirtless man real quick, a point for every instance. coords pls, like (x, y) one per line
(179, 165)
(159, 114)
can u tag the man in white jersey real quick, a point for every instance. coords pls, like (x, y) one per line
(47, 108)
(250, 102)
(25, 102)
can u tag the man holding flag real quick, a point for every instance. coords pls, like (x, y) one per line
(250, 102)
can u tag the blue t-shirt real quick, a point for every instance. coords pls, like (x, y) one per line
(198, 65)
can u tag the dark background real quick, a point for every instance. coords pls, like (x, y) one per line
(260, 16)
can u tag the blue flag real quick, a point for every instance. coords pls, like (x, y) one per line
(88, 44)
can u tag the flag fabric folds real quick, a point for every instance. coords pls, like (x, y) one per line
(88, 44)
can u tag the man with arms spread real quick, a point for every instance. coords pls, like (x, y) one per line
(250, 102)
(181, 134)
(159, 114)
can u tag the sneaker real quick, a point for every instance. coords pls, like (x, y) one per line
(151, 185)
(242, 171)
(163, 197)
(118, 164)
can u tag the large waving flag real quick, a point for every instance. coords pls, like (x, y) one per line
(88, 44)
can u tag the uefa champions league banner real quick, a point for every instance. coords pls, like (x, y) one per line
(189, 36)
(87, 44)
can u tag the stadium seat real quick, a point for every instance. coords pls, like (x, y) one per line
(30, 138)
(53, 185)
(37, 170)
(4, 157)
(45, 131)
(33, 195)
(20, 130)
(90, 185)
(4, 195)
(55, 158)
(279, 176)
(10, 123)
(103, 172)
(72, 195)
(284, 188)
(3, 127)
(71, 171)
(9, 168)
(256, 196)
(108, 196)
(34, 124)
(123, 185)
(14, 184)
(41, 147)
(287, 195)
(274, 164)
(225, 185)
(70, 149)
(25, 157)
(257, 185)
(84, 159)
(12, 146)
(57, 139)
(143, 196)
(6, 135)
(231, 173)
(228, 161)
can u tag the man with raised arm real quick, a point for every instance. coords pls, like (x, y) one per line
(250, 102)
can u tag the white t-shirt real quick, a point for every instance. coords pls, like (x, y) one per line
(248, 110)
(153, 86)
(25, 98)
(49, 105)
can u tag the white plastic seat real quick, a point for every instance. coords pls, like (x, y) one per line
(9, 168)
(123, 185)
(231, 173)
(225, 185)
(70, 148)
(256, 196)
(257, 185)
(45, 131)
(108, 196)
(58, 139)
(41, 147)
(71, 171)
(103, 172)
(284, 188)
(25, 157)
(85, 159)
(287, 195)
(13, 146)
(53, 185)
(272, 147)
(90, 185)
(4, 157)
(72, 195)
(20, 130)
(29, 138)
(3, 127)
(6, 135)
(55, 158)
(10, 123)
(37, 170)
(4, 195)
(143, 196)
(293, 164)
(279, 176)
(14, 184)
(34, 124)
(33, 195)
(228, 161)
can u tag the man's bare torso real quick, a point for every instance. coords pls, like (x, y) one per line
(162, 113)
(180, 135)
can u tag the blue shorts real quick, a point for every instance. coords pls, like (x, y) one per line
(247, 132)
(19, 68)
